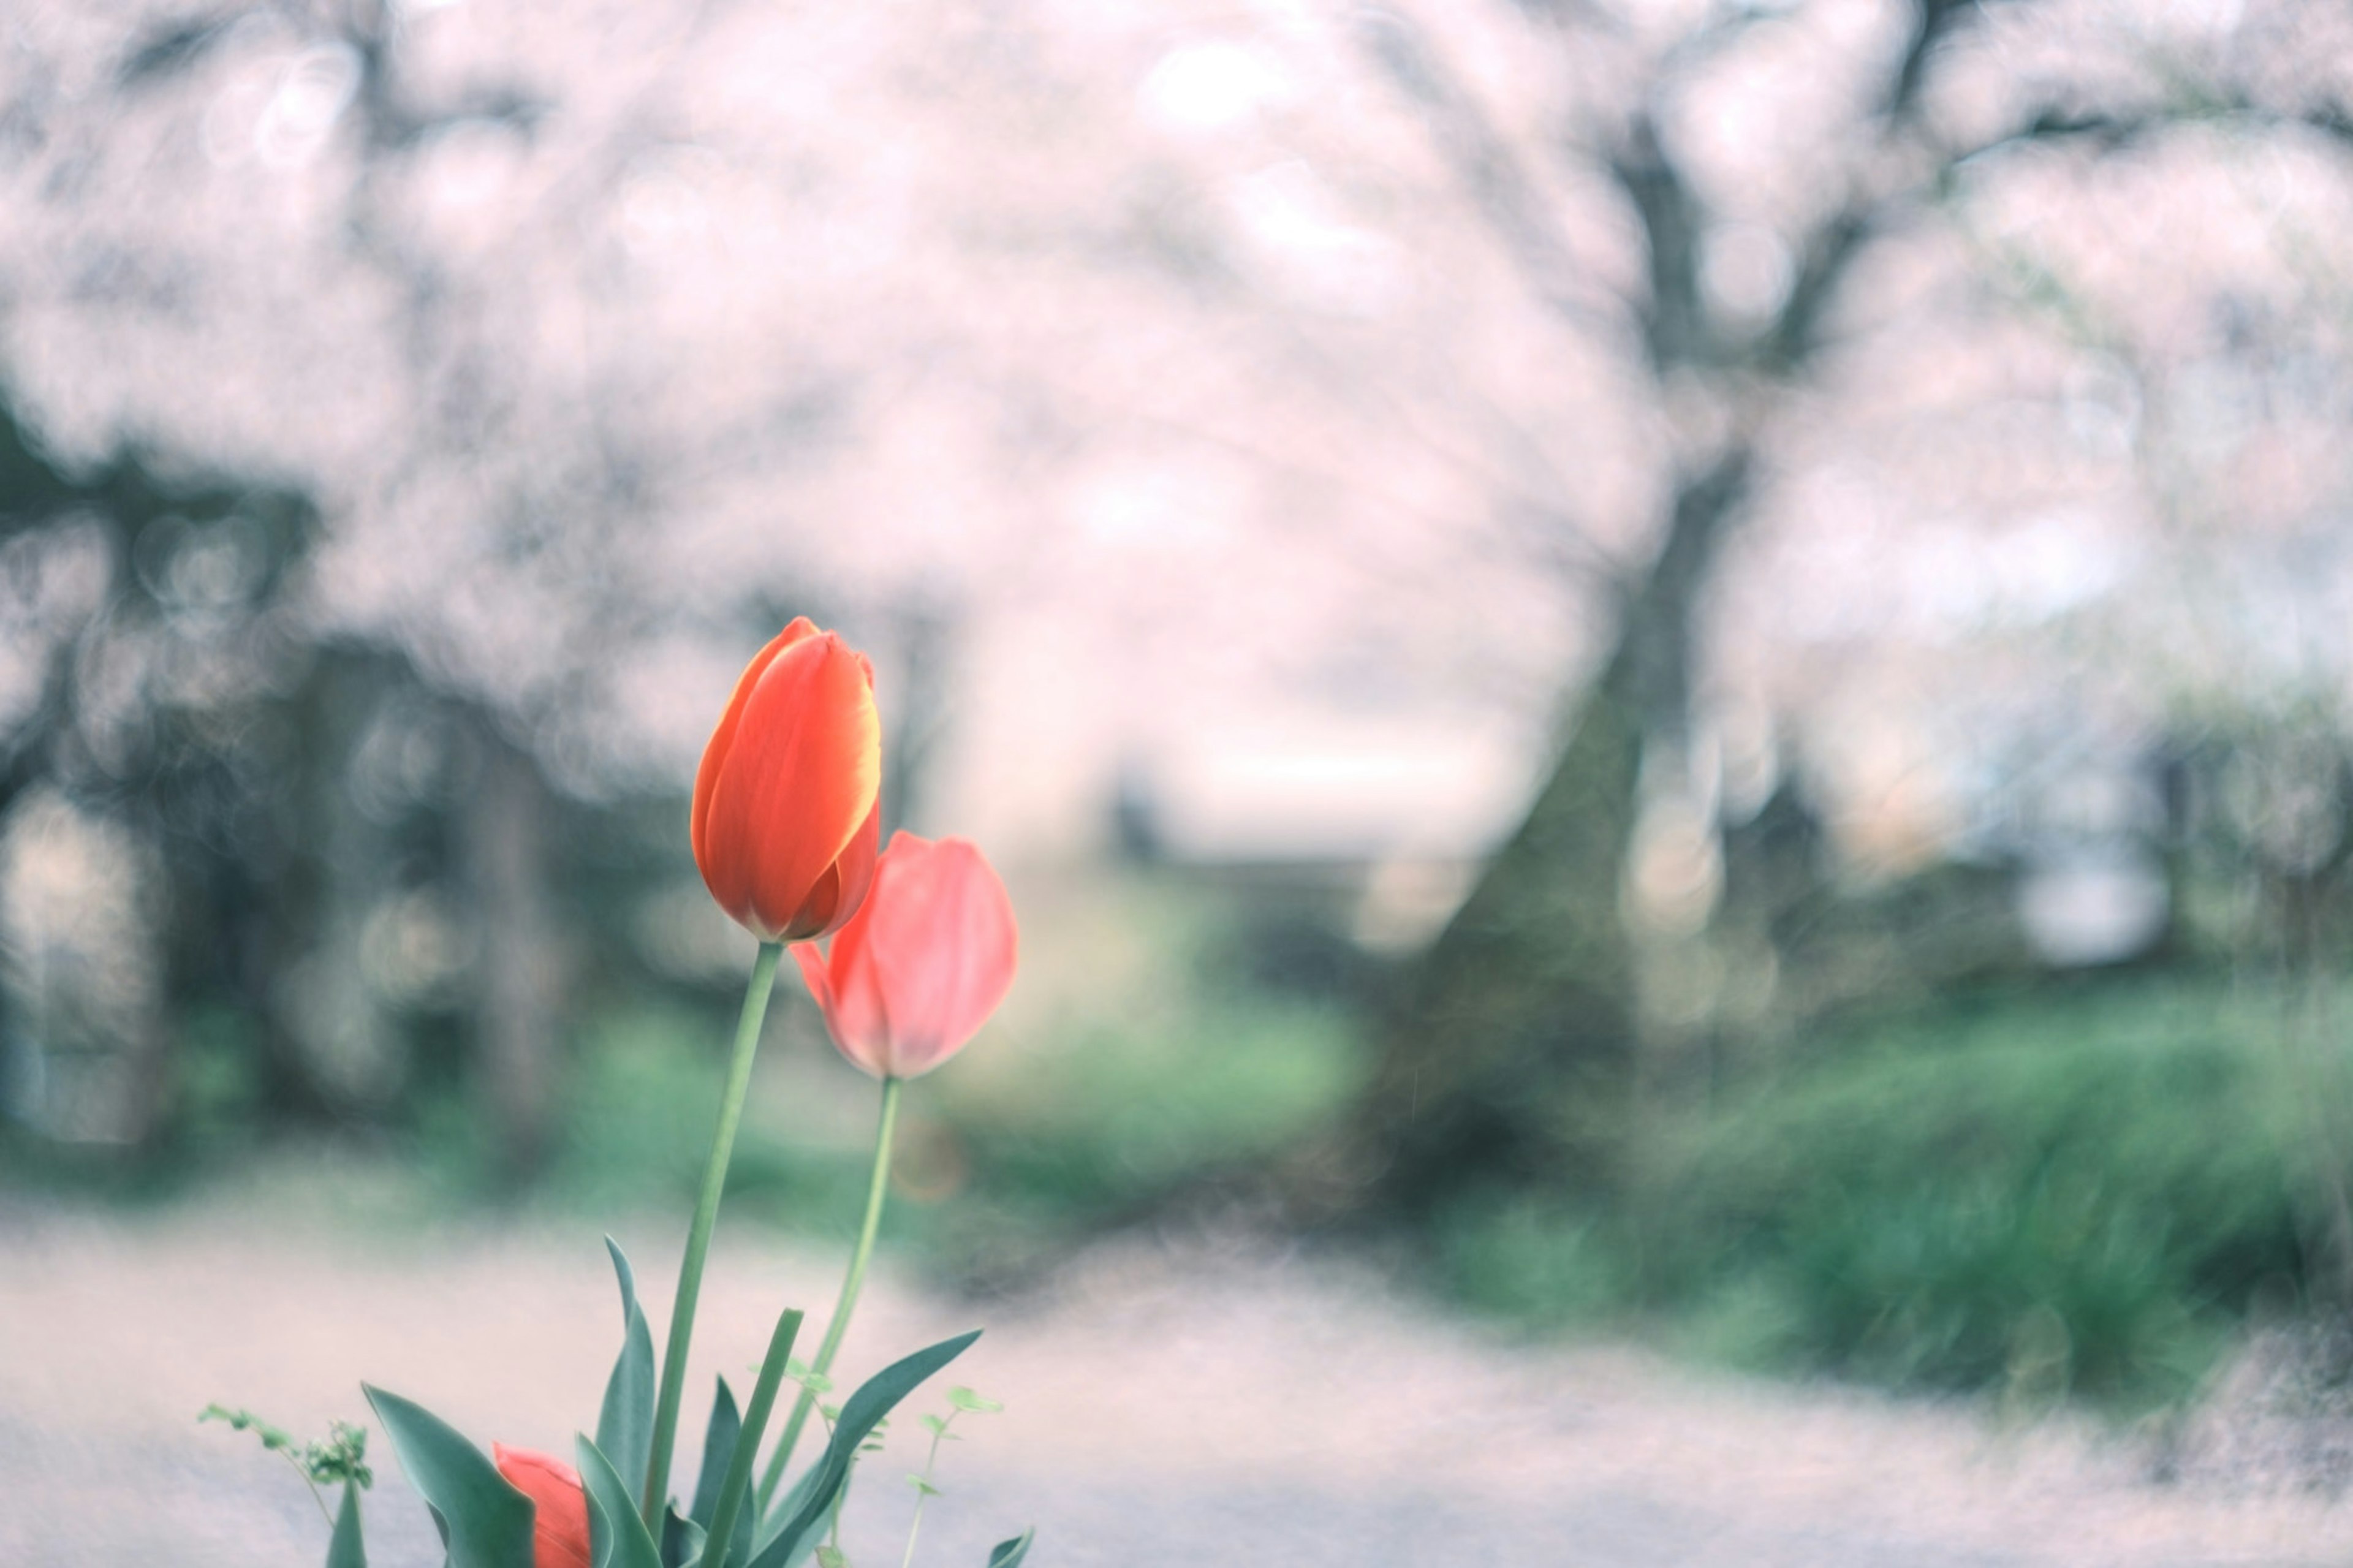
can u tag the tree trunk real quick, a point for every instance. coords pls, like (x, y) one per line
(516, 1005)
(1511, 1056)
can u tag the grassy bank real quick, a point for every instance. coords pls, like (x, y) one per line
(2078, 1194)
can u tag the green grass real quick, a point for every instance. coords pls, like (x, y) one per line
(1074, 1127)
(2072, 1196)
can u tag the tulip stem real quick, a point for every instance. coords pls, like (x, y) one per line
(877, 1187)
(698, 1235)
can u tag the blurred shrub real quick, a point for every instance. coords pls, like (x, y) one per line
(2075, 1196)
(1110, 1116)
(1535, 1262)
(1101, 1122)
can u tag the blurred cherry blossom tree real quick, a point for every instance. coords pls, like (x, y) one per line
(1692, 404)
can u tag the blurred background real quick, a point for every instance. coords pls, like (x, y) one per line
(1681, 666)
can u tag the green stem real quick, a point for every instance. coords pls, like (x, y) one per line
(877, 1187)
(698, 1235)
(316, 1495)
(923, 1491)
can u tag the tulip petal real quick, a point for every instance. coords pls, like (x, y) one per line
(560, 1518)
(801, 772)
(942, 947)
(843, 887)
(722, 738)
(856, 1014)
(819, 984)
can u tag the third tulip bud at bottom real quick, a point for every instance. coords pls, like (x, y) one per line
(559, 1529)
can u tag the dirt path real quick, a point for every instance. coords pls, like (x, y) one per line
(1165, 1406)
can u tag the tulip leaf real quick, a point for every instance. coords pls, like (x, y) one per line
(718, 1448)
(1010, 1553)
(345, 1549)
(484, 1523)
(682, 1541)
(625, 1427)
(812, 1496)
(617, 1538)
(790, 1506)
(732, 1523)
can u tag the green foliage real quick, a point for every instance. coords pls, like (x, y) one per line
(815, 1382)
(347, 1547)
(682, 1539)
(811, 1500)
(618, 1536)
(1928, 1207)
(1104, 1115)
(624, 1425)
(1010, 1553)
(1533, 1261)
(2051, 1198)
(730, 1520)
(636, 1128)
(719, 1439)
(484, 1523)
(340, 1461)
(961, 1402)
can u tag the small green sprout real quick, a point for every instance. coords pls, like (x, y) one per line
(961, 1402)
(341, 1458)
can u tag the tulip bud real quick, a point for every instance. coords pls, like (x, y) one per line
(921, 964)
(788, 802)
(559, 1523)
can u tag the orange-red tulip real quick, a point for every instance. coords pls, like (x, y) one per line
(788, 802)
(559, 1525)
(920, 966)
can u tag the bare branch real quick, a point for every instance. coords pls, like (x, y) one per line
(1934, 22)
(1675, 325)
(1483, 159)
(1831, 253)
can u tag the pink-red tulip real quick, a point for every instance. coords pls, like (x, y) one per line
(787, 801)
(920, 966)
(559, 1525)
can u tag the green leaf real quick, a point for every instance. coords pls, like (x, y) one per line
(1010, 1553)
(796, 1497)
(345, 1549)
(935, 1425)
(272, 1437)
(830, 1557)
(682, 1539)
(718, 1448)
(923, 1486)
(625, 1427)
(732, 1521)
(617, 1538)
(874, 1399)
(965, 1399)
(484, 1523)
(342, 1457)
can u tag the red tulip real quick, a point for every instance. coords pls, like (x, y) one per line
(920, 966)
(787, 801)
(559, 1525)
